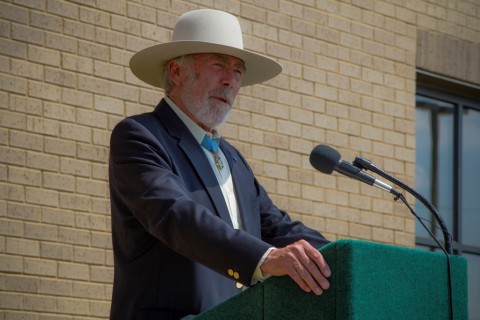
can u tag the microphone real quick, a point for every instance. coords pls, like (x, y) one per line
(326, 159)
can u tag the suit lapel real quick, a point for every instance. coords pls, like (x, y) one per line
(196, 156)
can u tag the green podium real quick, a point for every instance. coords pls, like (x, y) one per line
(369, 281)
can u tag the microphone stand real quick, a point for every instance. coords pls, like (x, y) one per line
(368, 165)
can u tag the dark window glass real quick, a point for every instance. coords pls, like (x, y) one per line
(471, 178)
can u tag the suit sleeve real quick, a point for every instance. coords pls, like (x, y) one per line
(277, 228)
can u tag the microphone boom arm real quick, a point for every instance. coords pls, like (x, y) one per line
(368, 165)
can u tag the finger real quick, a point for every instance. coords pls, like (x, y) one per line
(308, 278)
(315, 264)
(316, 274)
(298, 275)
(319, 260)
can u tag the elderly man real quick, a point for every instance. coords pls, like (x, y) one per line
(191, 225)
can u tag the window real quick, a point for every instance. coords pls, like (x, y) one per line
(448, 171)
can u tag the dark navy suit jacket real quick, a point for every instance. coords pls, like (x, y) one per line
(175, 250)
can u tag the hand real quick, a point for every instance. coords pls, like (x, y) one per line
(302, 262)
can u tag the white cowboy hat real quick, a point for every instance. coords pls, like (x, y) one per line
(203, 31)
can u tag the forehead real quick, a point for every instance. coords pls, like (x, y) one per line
(202, 57)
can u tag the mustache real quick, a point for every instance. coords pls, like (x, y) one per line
(224, 93)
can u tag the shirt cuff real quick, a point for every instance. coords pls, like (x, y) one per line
(257, 274)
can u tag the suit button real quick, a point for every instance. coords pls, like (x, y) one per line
(230, 272)
(236, 275)
(239, 285)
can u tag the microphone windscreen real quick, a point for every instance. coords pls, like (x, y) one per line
(324, 158)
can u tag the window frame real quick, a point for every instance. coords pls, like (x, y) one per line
(462, 95)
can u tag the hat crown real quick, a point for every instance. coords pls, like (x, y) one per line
(211, 26)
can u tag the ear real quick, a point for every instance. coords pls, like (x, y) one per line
(175, 71)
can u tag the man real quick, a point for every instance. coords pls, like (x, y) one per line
(191, 225)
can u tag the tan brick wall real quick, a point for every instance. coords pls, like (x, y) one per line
(349, 82)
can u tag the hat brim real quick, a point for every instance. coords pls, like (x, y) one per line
(148, 64)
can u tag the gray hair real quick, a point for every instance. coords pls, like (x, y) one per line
(185, 60)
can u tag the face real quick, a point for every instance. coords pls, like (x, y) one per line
(205, 88)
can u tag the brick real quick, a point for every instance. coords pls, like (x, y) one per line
(382, 235)
(102, 240)
(301, 205)
(101, 274)
(337, 227)
(12, 156)
(73, 236)
(10, 301)
(60, 78)
(44, 56)
(28, 35)
(42, 161)
(75, 132)
(21, 284)
(25, 176)
(101, 138)
(27, 69)
(23, 212)
(11, 228)
(73, 271)
(75, 167)
(93, 85)
(24, 105)
(276, 171)
(43, 126)
(89, 187)
(41, 197)
(39, 303)
(63, 9)
(44, 91)
(130, 26)
(92, 50)
(77, 98)
(114, 6)
(56, 146)
(45, 21)
(54, 287)
(23, 247)
(59, 112)
(13, 13)
(88, 290)
(58, 182)
(92, 16)
(53, 251)
(359, 231)
(74, 202)
(12, 192)
(124, 92)
(79, 64)
(312, 133)
(110, 38)
(13, 120)
(13, 84)
(93, 153)
(325, 122)
(89, 256)
(336, 138)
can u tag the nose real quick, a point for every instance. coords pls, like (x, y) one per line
(231, 78)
